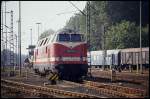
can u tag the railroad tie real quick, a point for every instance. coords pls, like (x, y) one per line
(118, 90)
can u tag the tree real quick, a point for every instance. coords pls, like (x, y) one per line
(46, 33)
(126, 35)
(145, 36)
(127, 10)
(113, 13)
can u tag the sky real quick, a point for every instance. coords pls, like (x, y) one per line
(45, 12)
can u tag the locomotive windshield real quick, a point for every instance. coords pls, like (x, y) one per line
(75, 37)
(64, 37)
(70, 37)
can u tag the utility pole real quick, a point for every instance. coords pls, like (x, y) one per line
(38, 29)
(11, 42)
(2, 37)
(15, 52)
(31, 36)
(5, 53)
(18, 54)
(104, 47)
(78, 22)
(19, 37)
(141, 70)
(88, 31)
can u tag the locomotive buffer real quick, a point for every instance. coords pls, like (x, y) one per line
(53, 77)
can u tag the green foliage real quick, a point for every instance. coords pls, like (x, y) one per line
(145, 36)
(126, 35)
(121, 19)
(46, 33)
(127, 10)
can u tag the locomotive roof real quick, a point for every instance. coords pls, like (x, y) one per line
(68, 31)
(45, 41)
(61, 32)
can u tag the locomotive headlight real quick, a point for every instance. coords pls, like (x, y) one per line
(57, 59)
(60, 58)
(84, 58)
(54, 59)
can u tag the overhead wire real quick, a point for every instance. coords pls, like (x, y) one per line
(77, 8)
(66, 12)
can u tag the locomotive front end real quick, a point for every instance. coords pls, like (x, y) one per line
(69, 55)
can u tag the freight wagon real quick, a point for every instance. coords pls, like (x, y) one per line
(131, 56)
(119, 57)
(112, 57)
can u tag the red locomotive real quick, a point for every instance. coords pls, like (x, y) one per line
(64, 53)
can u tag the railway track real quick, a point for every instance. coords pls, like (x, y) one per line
(111, 90)
(120, 89)
(122, 77)
(88, 89)
(35, 90)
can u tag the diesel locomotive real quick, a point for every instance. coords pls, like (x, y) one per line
(64, 53)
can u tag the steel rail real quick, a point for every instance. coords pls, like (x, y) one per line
(122, 89)
(45, 89)
(109, 90)
(27, 91)
(122, 78)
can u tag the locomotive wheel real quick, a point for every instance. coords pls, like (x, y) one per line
(42, 74)
(53, 82)
(36, 71)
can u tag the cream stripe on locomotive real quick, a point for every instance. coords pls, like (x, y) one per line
(61, 59)
(70, 58)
